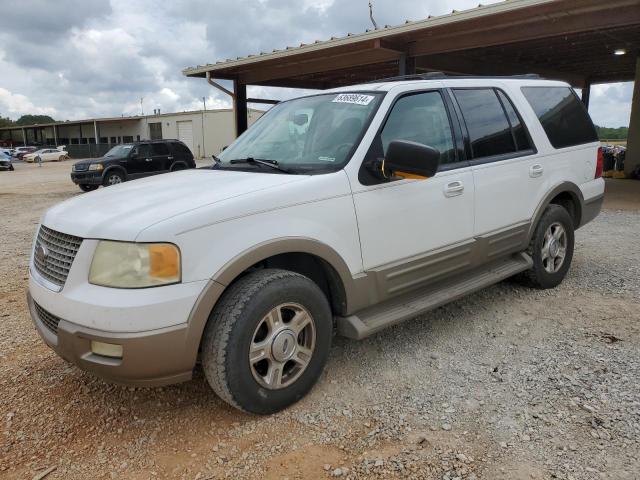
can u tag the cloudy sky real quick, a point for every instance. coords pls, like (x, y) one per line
(75, 59)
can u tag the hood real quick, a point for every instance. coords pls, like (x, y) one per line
(122, 211)
(91, 160)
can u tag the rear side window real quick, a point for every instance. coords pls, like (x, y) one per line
(489, 129)
(519, 132)
(160, 149)
(181, 149)
(562, 115)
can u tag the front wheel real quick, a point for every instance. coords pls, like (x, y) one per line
(88, 188)
(551, 248)
(267, 341)
(113, 178)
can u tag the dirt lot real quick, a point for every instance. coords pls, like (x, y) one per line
(509, 383)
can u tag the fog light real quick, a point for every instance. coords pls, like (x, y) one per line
(106, 349)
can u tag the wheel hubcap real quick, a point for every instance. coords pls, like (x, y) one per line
(114, 179)
(554, 248)
(282, 346)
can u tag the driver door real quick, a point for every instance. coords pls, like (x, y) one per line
(140, 161)
(414, 232)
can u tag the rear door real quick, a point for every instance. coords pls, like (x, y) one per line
(160, 154)
(506, 169)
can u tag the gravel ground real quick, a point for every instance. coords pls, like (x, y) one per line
(509, 383)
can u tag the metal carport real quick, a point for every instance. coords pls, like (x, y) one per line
(572, 40)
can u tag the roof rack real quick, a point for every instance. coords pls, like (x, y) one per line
(442, 75)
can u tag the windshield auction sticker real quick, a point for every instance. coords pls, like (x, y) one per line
(355, 98)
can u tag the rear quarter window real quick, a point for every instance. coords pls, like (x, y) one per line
(563, 116)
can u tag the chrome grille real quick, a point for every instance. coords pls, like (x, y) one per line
(48, 319)
(60, 251)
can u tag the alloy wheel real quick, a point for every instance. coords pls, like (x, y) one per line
(554, 247)
(114, 179)
(282, 346)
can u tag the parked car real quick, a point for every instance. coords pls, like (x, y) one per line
(20, 152)
(46, 155)
(5, 162)
(349, 210)
(129, 161)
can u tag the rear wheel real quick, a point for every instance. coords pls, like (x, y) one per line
(551, 248)
(113, 178)
(88, 188)
(267, 341)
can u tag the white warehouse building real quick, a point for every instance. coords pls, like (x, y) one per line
(205, 132)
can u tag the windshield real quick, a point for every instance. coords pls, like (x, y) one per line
(119, 151)
(316, 133)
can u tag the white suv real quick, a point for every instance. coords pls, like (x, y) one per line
(347, 211)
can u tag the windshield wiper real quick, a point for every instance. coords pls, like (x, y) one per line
(258, 161)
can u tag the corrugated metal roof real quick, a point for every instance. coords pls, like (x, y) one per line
(119, 119)
(386, 31)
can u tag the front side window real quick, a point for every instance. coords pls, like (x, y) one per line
(420, 118)
(563, 117)
(487, 124)
(306, 135)
(142, 151)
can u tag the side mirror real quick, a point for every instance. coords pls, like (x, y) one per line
(416, 159)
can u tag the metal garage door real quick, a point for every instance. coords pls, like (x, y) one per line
(185, 133)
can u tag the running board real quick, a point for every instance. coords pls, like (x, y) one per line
(398, 309)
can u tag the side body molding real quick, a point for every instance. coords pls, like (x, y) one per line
(355, 296)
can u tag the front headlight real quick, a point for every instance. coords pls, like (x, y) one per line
(96, 166)
(135, 265)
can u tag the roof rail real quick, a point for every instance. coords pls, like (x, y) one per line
(441, 75)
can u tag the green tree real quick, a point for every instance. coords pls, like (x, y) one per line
(34, 119)
(607, 133)
(5, 122)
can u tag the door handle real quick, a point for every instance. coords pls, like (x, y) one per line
(170, 158)
(536, 170)
(148, 159)
(453, 189)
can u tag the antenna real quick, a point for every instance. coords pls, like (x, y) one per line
(375, 25)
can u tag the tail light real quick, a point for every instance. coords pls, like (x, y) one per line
(599, 164)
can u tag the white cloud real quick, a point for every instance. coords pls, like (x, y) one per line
(16, 104)
(98, 58)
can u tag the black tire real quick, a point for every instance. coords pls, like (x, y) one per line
(539, 276)
(88, 188)
(232, 329)
(11, 169)
(108, 179)
(176, 167)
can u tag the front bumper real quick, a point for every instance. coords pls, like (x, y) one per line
(87, 178)
(149, 358)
